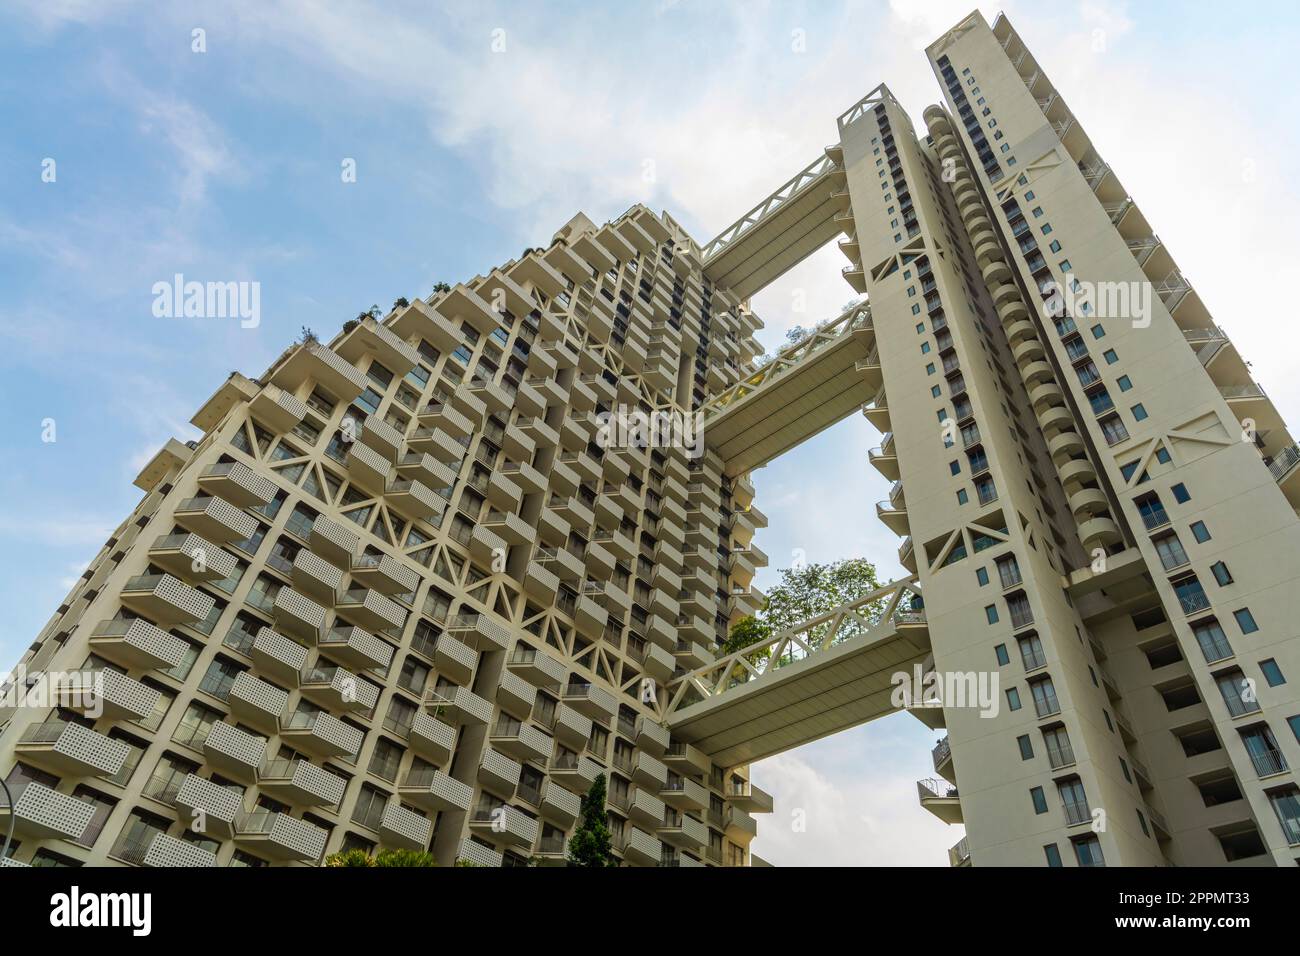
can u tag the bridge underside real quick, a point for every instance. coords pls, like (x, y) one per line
(782, 231)
(803, 701)
(813, 395)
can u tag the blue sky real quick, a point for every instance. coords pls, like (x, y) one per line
(225, 165)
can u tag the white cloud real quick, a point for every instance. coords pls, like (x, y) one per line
(855, 797)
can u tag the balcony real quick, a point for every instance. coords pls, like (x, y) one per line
(505, 824)
(744, 796)
(170, 852)
(367, 468)
(321, 735)
(574, 773)
(276, 656)
(940, 798)
(959, 854)
(479, 631)
(192, 558)
(431, 739)
(404, 829)
(335, 688)
(234, 752)
(499, 773)
(370, 609)
(299, 616)
(301, 784)
(476, 854)
(40, 813)
(645, 808)
(316, 577)
(136, 644)
(685, 758)
(380, 437)
(318, 363)
(353, 647)
(941, 756)
(438, 444)
(165, 600)
(279, 836)
(487, 546)
(590, 700)
(107, 693)
(334, 542)
(515, 696)
(884, 459)
(425, 469)
(641, 849)
(411, 498)
(648, 771)
(560, 806)
(658, 663)
(236, 483)
(537, 667)
(71, 750)
(434, 791)
(458, 705)
(651, 737)
(683, 832)
(541, 583)
(217, 806)
(257, 703)
(681, 793)
(570, 727)
(444, 416)
(521, 741)
(277, 409)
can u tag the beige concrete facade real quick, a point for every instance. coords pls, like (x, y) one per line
(403, 594)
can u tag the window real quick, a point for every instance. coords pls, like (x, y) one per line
(1088, 852)
(1200, 532)
(1139, 412)
(1074, 800)
(1045, 701)
(1032, 655)
(954, 467)
(1000, 652)
(1180, 493)
(1221, 573)
(1112, 428)
(1059, 751)
(1039, 800)
(1097, 332)
(1170, 550)
(1026, 747)
(1013, 698)
(962, 496)
(1236, 692)
(1245, 621)
(982, 576)
(1286, 804)
(1053, 855)
(1272, 673)
(1124, 383)
(991, 614)
(1214, 643)
(1008, 571)
(1110, 356)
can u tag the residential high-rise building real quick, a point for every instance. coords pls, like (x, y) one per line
(411, 589)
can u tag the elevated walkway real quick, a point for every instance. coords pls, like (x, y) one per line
(808, 387)
(781, 231)
(828, 674)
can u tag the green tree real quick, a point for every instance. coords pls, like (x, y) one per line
(404, 858)
(746, 631)
(440, 287)
(355, 857)
(590, 843)
(813, 589)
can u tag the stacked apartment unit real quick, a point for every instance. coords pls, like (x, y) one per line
(403, 594)
(1100, 501)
